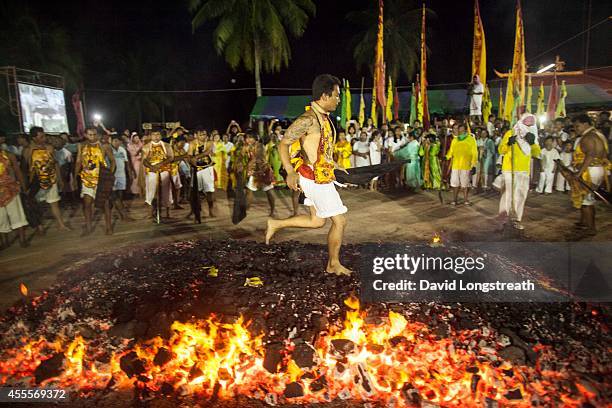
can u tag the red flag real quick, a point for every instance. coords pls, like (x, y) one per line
(379, 67)
(77, 105)
(553, 99)
(395, 104)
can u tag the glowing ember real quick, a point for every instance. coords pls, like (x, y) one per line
(436, 241)
(23, 289)
(396, 362)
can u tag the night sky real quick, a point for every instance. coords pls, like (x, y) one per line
(103, 30)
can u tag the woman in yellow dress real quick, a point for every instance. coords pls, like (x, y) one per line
(219, 157)
(343, 151)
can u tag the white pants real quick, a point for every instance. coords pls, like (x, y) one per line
(323, 197)
(546, 181)
(151, 188)
(597, 175)
(12, 216)
(561, 184)
(206, 180)
(521, 188)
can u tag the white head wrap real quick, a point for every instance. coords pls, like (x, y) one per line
(521, 129)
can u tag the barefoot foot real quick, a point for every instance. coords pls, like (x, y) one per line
(270, 230)
(338, 269)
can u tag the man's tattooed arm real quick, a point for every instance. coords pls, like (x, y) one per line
(298, 129)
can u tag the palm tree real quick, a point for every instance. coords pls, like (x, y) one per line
(401, 36)
(254, 32)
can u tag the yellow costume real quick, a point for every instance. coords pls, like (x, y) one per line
(522, 161)
(43, 166)
(343, 151)
(92, 157)
(158, 155)
(219, 158)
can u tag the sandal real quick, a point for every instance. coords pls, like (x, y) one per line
(468, 203)
(453, 203)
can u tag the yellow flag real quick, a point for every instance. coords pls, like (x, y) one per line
(560, 113)
(479, 49)
(349, 111)
(509, 103)
(361, 110)
(373, 111)
(389, 107)
(540, 109)
(519, 67)
(487, 105)
(500, 105)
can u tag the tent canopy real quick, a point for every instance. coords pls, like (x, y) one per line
(441, 101)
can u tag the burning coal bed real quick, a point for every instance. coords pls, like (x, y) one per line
(241, 324)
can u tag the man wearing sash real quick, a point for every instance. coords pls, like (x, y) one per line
(313, 172)
(592, 166)
(200, 152)
(45, 171)
(92, 156)
(157, 158)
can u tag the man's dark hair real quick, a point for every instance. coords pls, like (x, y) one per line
(548, 138)
(34, 131)
(113, 137)
(250, 133)
(91, 127)
(582, 118)
(323, 84)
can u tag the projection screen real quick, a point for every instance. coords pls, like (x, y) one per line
(44, 107)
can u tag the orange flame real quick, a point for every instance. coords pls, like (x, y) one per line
(384, 362)
(23, 289)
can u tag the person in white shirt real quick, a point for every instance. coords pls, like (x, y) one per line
(476, 91)
(376, 149)
(395, 141)
(63, 157)
(229, 146)
(547, 166)
(566, 156)
(491, 124)
(361, 151)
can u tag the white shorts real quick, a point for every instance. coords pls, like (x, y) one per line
(12, 216)
(90, 191)
(254, 187)
(460, 178)
(206, 180)
(597, 175)
(51, 195)
(323, 197)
